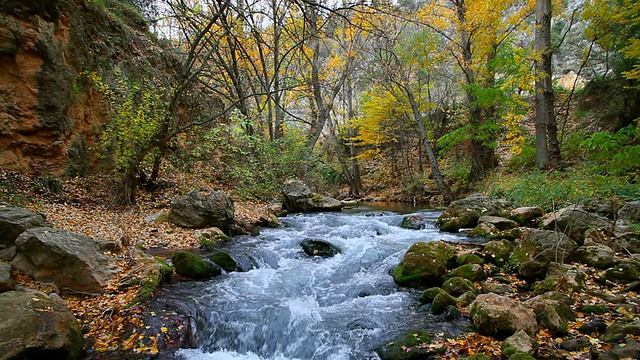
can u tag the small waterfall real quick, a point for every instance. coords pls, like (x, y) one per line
(291, 306)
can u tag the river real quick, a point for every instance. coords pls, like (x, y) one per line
(291, 306)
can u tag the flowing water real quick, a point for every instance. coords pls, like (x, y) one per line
(291, 306)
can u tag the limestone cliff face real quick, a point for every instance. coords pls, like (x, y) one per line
(50, 116)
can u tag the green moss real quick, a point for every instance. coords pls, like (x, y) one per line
(473, 272)
(469, 259)
(397, 350)
(498, 251)
(477, 357)
(519, 355)
(430, 294)
(594, 309)
(423, 264)
(225, 261)
(457, 286)
(189, 265)
(623, 273)
(441, 302)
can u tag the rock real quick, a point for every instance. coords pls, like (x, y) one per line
(497, 251)
(575, 344)
(189, 265)
(6, 282)
(597, 326)
(413, 222)
(430, 294)
(202, 208)
(497, 315)
(8, 254)
(594, 309)
(319, 248)
(34, 326)
(598, 256)
(397, 349)
(519, 355)
(464, 213)
(630, 212)
(149, 273)
(469, 259)
(500, 289)
(562, 277)
(209, 238)
(64, 258)
(626, 239)
(457, 286)
(441, 302)
(423, 264)
(225, 261)
(466, 299)
(473, 272)
(14, 221)
(620, 329)
(477, 356)
(526, 216)
(630, 349)
(573, 222)
(297, 197)
(269, 220)
(539, 248)
(500, 223)
(623, 272)
(519, 342)
(551, 315)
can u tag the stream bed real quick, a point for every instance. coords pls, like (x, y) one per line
(292, 306)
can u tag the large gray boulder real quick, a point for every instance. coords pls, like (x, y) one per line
(6, 282)
(202, 208)
(630, 212)
(499, 315)
(64, 258)
(14, 221)
(551, 314)
(526, 216)
(538, 249)
(464, 213)
(35, 326)
(598, 256)
(574, 222)
(297, 197)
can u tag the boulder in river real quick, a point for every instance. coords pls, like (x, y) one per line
(14, 221)
(464, 213)
(202, 208)
(64, 258)
(297, 197)
(413, 222)
(225, 261)
(423, 264)
(36, 326)
(192, 266)
(321, 248)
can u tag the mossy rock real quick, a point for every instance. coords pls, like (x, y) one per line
(210, 238)
(497, 252)
(397, 349)
(594, 309)
(423, 264)
(464, 213)
(469, 259)
(457, 286)
(189, 265)
(225, 261)
(623, 273)
(477, 357)
(466, 299)
(620, 329)
(521, 356)
(441, 302)
(430, 294)
(472, 272)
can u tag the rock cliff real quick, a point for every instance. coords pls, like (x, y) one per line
(50, 115)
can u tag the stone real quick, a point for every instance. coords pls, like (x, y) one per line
(620, 329)
(597, 327)
(623, 272)
(597, 256)
(539, 248)
(35, 326)
(519, 355)
(575, 344)
(150, 272)
(464, 213)
(467, 298)
(500, 223)
(209, 238)
(297, 197)
(441, 302)
(397, 348)
(413, 222)
(269, 220)
(321, 248)
(562, 277)
(202, 208)
(189, 265)
(497, 315)
(526, 216)
(8, 254)
(551, 315)
(473, 272)
(225, 261)
(626, 239)
(574, 222)
(469, 259)
(630, 212)
(430, 294)
(14, 221)
(497, 252)
(64, 258)
(423, 264)
(519, 342)
(500, 289)
(630, 349)
(594, 309)
(457, 286)
(6, 282)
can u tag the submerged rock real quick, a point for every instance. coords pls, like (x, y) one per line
(319, 248)
(413, 222)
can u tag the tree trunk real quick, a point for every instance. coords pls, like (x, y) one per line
(547, 146)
